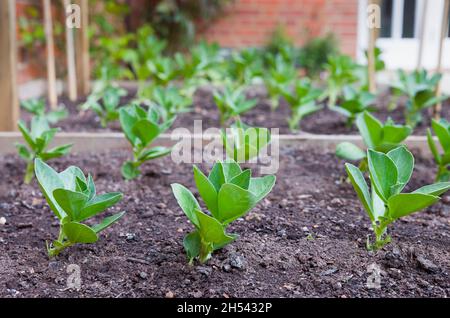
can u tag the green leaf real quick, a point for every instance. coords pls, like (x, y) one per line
(434, 189)
(129, 170)
(69, 176)
(216, 176)
(383, 173)
(71, 202)
(394, 134)
(406, 203)
(360, 186)
(154, 153)
(370, 129)
(192, 245)
(443, 134)
(207, 191)
(404, 161)
(106, 222)
(260, 187)
(349, 151)
(234, 202)
(145, 131)
(433, 147)
(23, 151)
(210, 229)
(79, 233)
(55, 152)
(230, 170)
(99, 203)
(187, 202)
(243, 179)
(26, 134)
(49, 181)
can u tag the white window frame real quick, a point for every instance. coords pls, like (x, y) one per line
(401, 52)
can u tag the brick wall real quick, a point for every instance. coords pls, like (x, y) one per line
(251, 22)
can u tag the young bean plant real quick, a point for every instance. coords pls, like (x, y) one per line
(231, 103)
(385, 202)
(72, 198)
(36, 106)
(229, 193)
(171, 101)
(38, 137)
(354, 103)
(105, 103)
(141, 128)
(421, 92)
(279, 76)
(376, 136)
(442, 130)
(302, 99)
(341, 72)
(243, 143)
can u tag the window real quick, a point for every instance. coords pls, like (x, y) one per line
(398, 18)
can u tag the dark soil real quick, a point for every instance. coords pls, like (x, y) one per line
(323, 122)
(306, 239)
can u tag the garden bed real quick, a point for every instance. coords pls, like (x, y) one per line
(307, 238)
(324, 121)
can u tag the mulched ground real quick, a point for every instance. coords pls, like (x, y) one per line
(306, 239)
(322, 122)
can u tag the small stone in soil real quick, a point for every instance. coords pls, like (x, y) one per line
(427, 265)
(143, 275)
(237, 261)
(169, 294)
(204, 270)
(2, 221)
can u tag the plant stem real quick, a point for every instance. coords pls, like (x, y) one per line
(29, 172)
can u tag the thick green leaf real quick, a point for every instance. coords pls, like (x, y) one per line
(192, 245)
(129, 171)
(406, 203)
(443, 134)
(360, 186)
(349, 151)
(394, 134)
(49, 181)
(69, 176)
(127, 122)
(145, 131)
(404, 161)
(71, 202)
(91, 187)
(55, 152)
(434, 189)
(216, 176)
(106, 222)
(99, 204)
(383, 173)
(243, 179)
(210, 229)
(23, 151)
(207, 191)
(186, 201)
(230, 170)
(260, 187)
(26, 134)
(154, 153)
(79, 233)
(234, 202)
(433, 147)
(370, 129)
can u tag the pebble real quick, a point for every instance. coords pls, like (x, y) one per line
(143, 275)
(446, 199)
(169, 294)
(427, 265)
(204, 270)
(161, 205)
(2, 221)
(237, 261)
